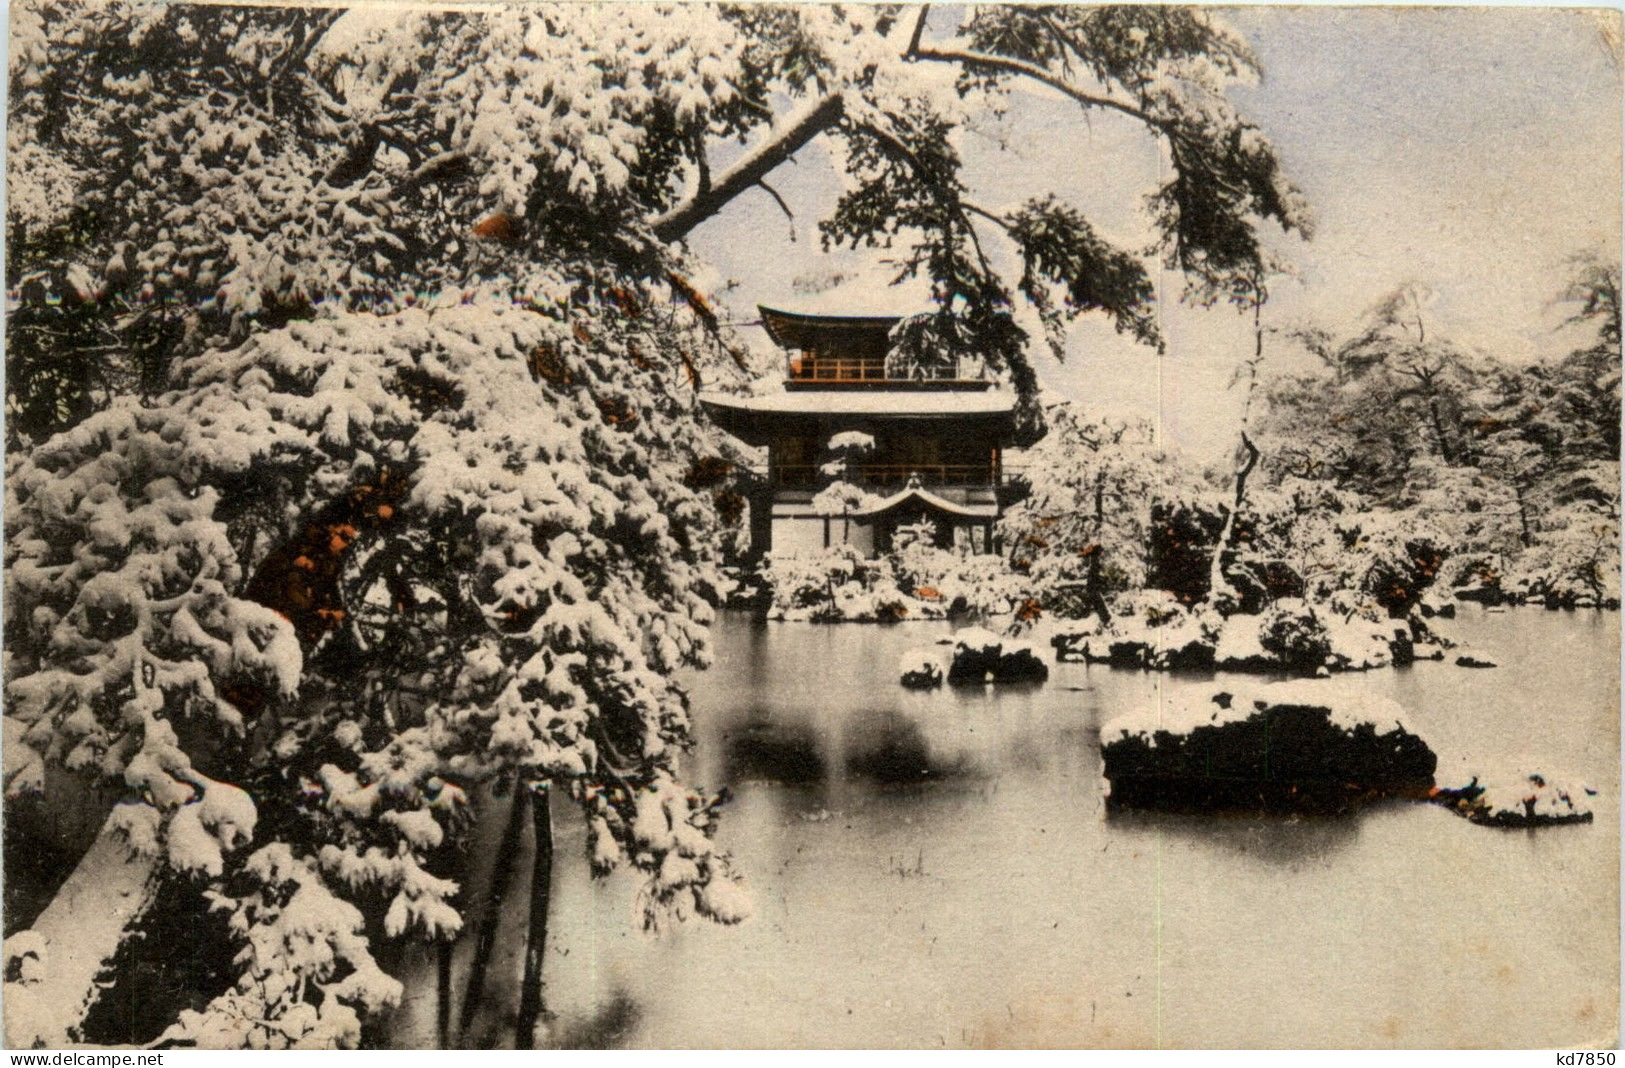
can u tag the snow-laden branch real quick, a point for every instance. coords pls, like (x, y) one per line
(818, 115)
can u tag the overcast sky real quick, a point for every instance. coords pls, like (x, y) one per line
(1472, 150)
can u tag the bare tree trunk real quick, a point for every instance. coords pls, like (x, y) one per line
(491, 915)
(1096, 596)
(541, 892)
(1438, 430)
(1526, 535)
(1216, 577)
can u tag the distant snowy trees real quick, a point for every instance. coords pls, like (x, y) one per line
(1515, 465)
(1398, 463)
(350, 373)
(1082, 534)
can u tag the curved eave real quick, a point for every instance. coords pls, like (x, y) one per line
(916, 495)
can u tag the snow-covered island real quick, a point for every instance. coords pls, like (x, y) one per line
(1281, 747)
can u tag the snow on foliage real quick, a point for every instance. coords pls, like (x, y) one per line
(386, 477)
(918, 581)
(585, 576)
(1084, 530)
(307, 973)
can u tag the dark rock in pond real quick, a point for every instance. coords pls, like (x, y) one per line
(919, 669)
(982, 656)
(1532, 801)
(1071, 647)
(1283, 747)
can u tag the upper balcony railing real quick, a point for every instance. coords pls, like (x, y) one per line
(807, 367)
(813, 476)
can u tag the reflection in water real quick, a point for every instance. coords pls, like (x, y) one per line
(607, 1028)
(763, 751)
(938, 869)
(1272, 838)
(888, 747)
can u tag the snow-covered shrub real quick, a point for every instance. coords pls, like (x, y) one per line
(1574, 563)
(917, 582)
(1292, 633)
(976, 584)
(809, 586)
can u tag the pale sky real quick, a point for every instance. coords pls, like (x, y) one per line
(1472, 150)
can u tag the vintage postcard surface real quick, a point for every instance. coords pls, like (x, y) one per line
(697, 525)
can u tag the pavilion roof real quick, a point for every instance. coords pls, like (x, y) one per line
(799, 330)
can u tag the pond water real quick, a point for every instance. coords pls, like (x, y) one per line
(938, 869)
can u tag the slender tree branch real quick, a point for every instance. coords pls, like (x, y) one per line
(788, 214)
(966, 57)
(976, 209)
(919, 30)
(774, 193)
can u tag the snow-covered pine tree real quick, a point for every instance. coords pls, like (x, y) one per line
(390, 481)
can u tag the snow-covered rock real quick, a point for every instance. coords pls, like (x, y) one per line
(1530, 801)
(1428, 650)
(982, 656)
(920, 669)
(1474, 659)
(1436, 605)
(1286, 746)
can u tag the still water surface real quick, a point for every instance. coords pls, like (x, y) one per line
(938, 869)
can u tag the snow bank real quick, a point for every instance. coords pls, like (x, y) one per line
(52, 969)
(1286, 746)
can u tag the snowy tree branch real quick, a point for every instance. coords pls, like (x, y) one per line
(823, 114)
